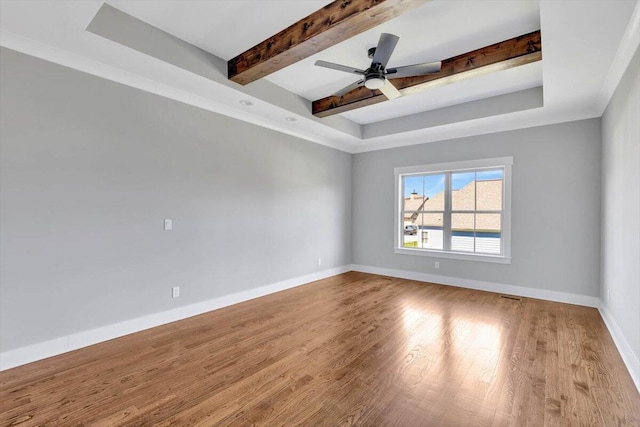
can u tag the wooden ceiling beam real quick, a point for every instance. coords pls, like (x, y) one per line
(324, 28)
(500, 56)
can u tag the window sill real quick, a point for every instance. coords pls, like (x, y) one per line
(499, 259)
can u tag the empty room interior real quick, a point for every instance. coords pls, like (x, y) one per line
(320, 213)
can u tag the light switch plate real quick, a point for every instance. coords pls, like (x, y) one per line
(168, 224)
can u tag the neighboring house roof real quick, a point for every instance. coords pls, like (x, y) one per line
(488, 198)
(435, 203)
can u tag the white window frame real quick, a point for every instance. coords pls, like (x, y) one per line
(504, 163)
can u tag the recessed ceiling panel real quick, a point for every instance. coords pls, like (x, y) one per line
(435, 31)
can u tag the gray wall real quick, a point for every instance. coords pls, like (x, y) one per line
(555, 241)
(90, 168)
(621, 206)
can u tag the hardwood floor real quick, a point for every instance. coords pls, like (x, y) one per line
(354, 349)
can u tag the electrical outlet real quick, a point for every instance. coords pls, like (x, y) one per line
(168, 224)
(319, 261)
(175, 292)
(437, 264)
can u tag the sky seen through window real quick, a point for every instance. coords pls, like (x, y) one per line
(430, 185)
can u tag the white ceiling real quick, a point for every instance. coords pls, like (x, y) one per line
(428, 34)
(431, 33)
(580, 42)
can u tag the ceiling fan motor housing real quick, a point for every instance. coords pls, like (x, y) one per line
(374, 76)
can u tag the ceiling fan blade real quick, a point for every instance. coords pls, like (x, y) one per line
(390, 91)
(414, 70)
(385, 48)
(339, 67)
(349, 88)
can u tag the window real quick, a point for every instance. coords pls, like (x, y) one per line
(456, 210)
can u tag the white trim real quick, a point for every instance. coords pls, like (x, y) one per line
(398, 215)
(454, 166)
(23, 355)
(454, 255)
(31, 353)
(626, 352)
(500, 288)
(505, 163)
(447, 232)
(56, 55)
(626, 49)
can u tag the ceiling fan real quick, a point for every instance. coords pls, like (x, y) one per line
(377, 75)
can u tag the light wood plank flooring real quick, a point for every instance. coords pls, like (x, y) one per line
(354, 349)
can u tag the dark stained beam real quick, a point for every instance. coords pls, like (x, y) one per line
(332, 24)
(500, 56)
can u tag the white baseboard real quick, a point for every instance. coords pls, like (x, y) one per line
(484, 286)
(626, 352)
(23, 355)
